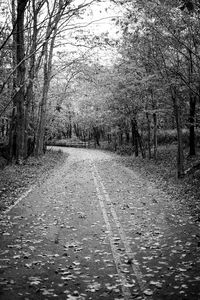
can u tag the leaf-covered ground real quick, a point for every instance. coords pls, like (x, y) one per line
(95, 229)
(184, 191)
(16, 179)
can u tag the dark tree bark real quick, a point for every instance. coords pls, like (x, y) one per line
(31, 74)
(155, 138)
(96, 136)
(127, 136)
(192, 112)
(18, 122)
(180, 156)
(120, 136)
(12, 132)
(149, 134)
(48, 54)
(134, 136)
(141, 145)
(192, 144)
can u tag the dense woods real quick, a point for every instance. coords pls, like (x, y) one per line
(130, 91)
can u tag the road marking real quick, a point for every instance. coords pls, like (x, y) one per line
(20, 199)
(141, 282)
(125, 290)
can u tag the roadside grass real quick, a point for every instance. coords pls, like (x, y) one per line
(16, 179)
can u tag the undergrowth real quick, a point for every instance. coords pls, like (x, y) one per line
(162, 172)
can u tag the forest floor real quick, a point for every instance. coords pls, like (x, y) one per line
(17, 179)
(100, 226)
(162, 172)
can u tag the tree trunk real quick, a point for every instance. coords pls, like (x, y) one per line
(192, 145)
(155, 136)
(96, 136)
(120, 137)
(141, 144)
(70, 127)
(192, 150)
(132, 133)
(115, 141)
(180, 156)
(47, 50)
(42, 118)
(134, 136)
(19, 95)
(127, 136)
(40, 136)
(31, 75)
(148, 134)
(12, 132)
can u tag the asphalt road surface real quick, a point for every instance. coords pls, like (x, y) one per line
(95, 229)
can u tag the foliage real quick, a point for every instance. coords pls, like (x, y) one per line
(125, 150)
(132, 88)
(27, 53)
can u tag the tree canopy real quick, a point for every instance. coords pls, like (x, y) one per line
(120, 71)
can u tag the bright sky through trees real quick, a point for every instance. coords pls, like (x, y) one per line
(96, 22)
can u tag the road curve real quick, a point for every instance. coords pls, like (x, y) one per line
(95, 229)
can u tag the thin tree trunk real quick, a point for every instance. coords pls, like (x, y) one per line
(42, 116)
(120, 137)
(132, 133)
(40, 136)
(148, 134)
(96, 134)
(192, 145)
(155, 135)
(31, 74)
(48, 55)
(115, 141)
(70, 127)
(180, 156)
(12, 132)
(134, 136)
(141, 144)
(127, 136)
(155, 126)
(192, 150)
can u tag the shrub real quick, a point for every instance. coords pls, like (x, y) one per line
(166, 137)
(125, 150)
(3, 162)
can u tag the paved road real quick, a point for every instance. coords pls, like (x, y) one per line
(97, 230)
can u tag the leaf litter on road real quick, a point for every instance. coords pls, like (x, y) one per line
(158, 250)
